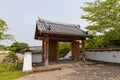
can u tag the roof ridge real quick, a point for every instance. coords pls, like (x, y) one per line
(55, 22)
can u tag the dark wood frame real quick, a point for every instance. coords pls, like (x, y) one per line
(50, 46)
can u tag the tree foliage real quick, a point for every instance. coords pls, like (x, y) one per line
(16, 46)
(104, 16)
(112, 38)
(96, 42)
(64, 48)
(3, 30)
(2, 47)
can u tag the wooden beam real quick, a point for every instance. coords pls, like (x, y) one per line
(60, 37)
(83, 51)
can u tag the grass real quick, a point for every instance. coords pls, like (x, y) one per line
(7, 75)
(7, 71)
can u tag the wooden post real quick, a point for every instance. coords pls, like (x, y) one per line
(53, 50)
(72, 49)
(43, 42)
(83, 51)
(57, 53)
(46, 51)
(75, 50)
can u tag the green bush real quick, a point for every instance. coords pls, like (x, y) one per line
(7, 72)
(64, 48)
(16, 46)
(19, 66)
(96, 42)
(7, 66)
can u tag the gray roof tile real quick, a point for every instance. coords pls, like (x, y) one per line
(45, 26)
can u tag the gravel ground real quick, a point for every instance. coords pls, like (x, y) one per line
(79, 71)
(92, 72)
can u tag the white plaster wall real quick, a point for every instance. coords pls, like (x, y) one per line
(107, 56)
(27, 62)
(36, 58)
(68, 55)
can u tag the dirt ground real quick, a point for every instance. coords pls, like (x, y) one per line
(79, 71)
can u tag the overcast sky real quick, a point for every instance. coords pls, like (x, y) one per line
(21, 16)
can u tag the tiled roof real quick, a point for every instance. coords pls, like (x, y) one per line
(30, 50)
(49, 27)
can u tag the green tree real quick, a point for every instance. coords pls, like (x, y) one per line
(2, 47)
(95, 42)
(16, 46)
(64, 48)
(112, 38)
(3, 30)
(104, 17)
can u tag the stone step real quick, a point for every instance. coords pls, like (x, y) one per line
(46, 69)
